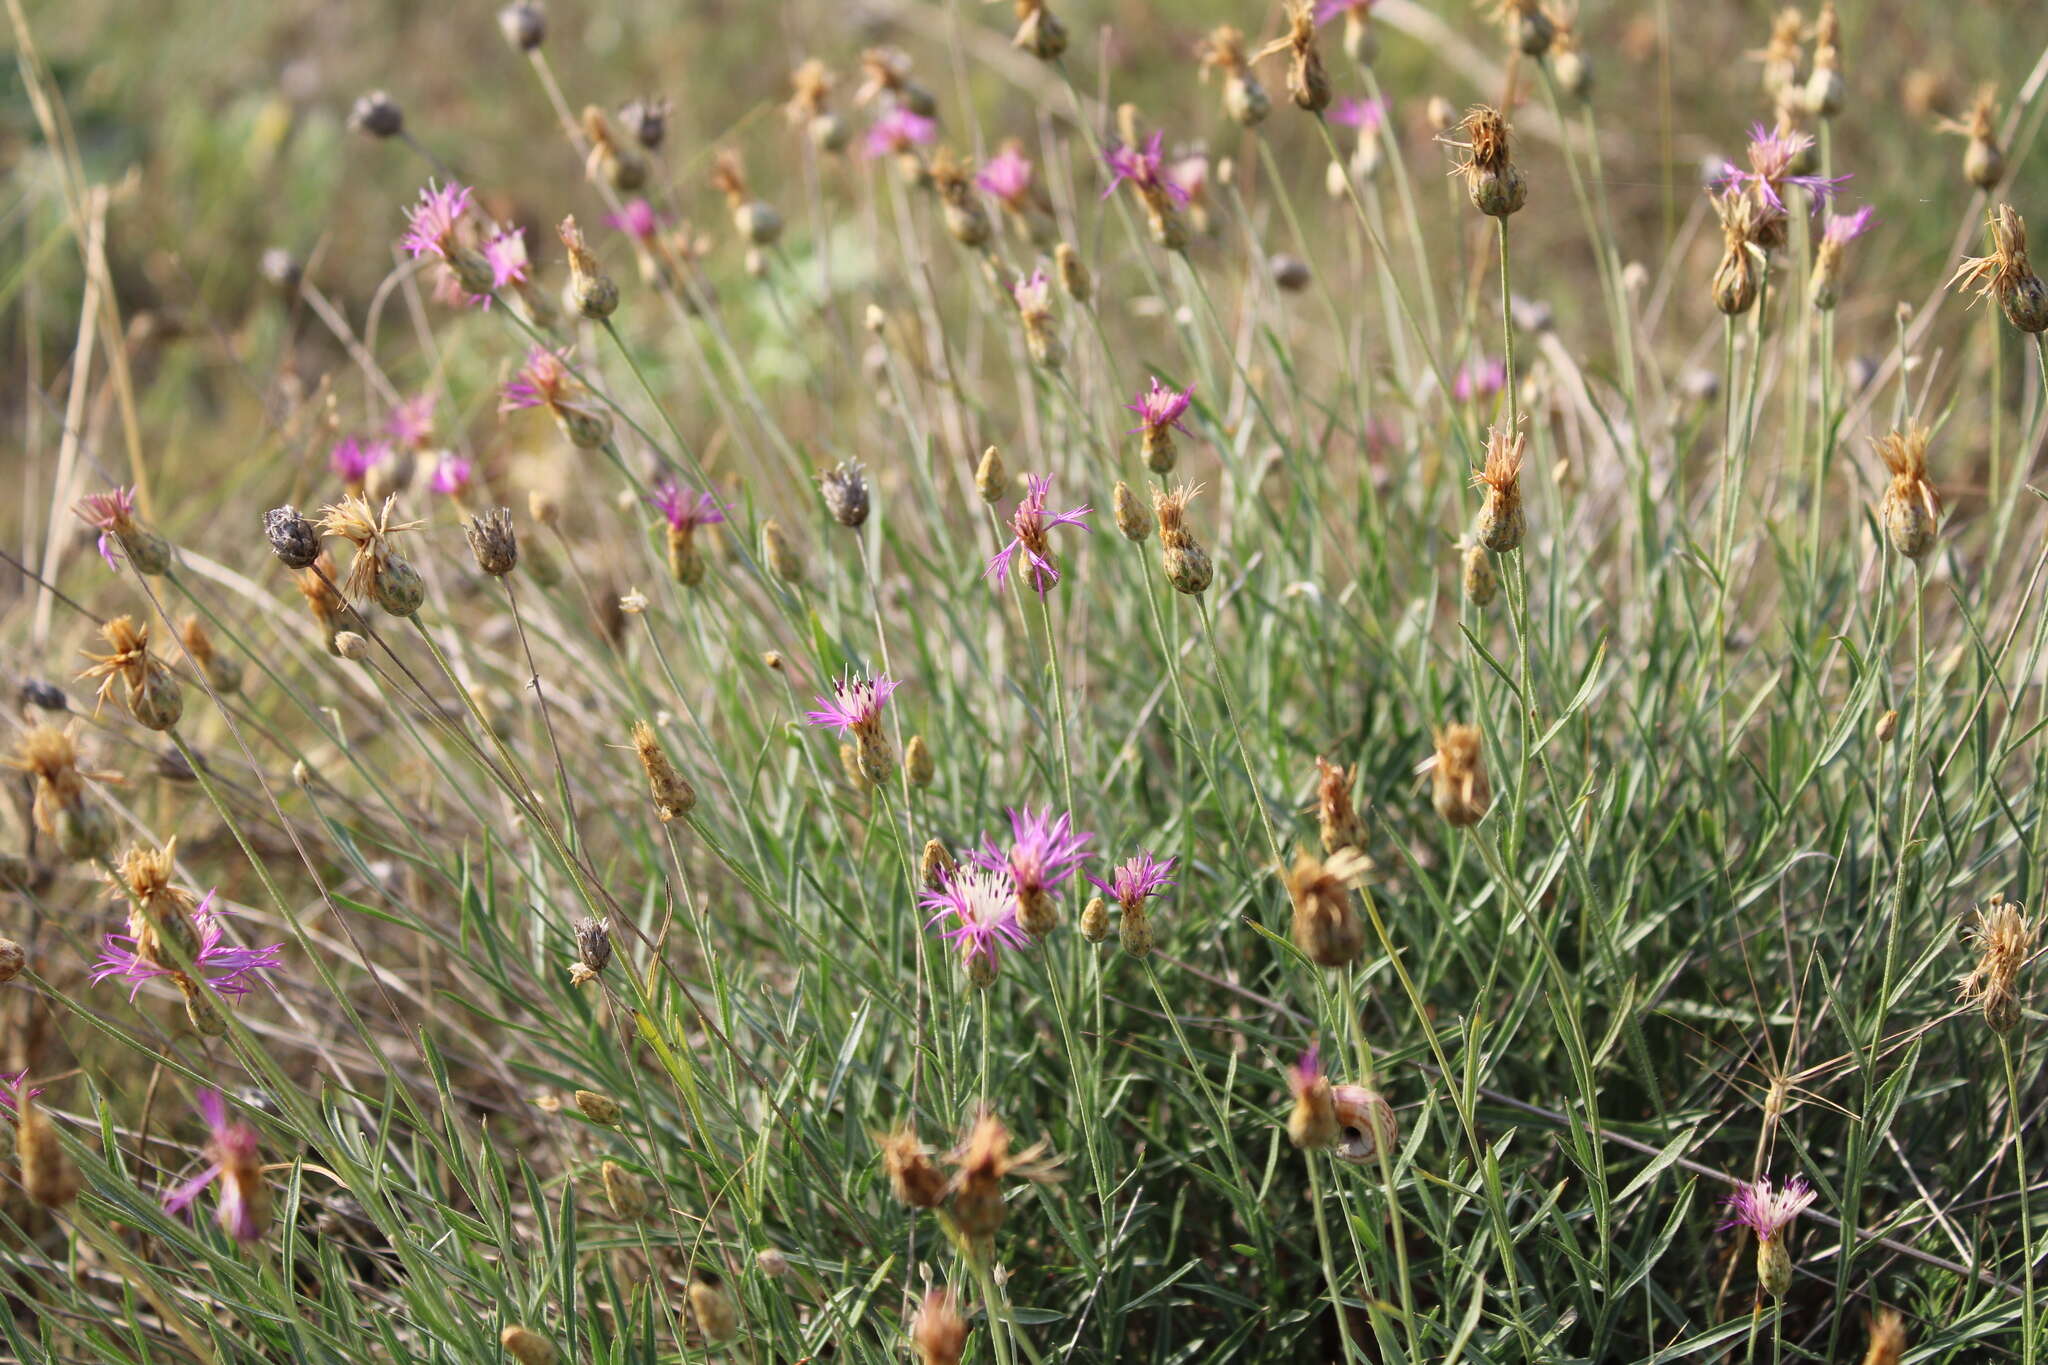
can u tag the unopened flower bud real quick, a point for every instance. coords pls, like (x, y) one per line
(291, 536)
(48, 1176)
(524, 25)
(1481, 580)
(625, 1192)
(990, 479)
(917, 762)
(527, 1347)
(377, 115)
(935, 866)
(1130, 514)
(1887, 727)
(783, 560)
(602, 1110)
(492, 541)
(712, 1307)
(1095, 920)
(1290, 273)
(350, 645)
(673, 796)
(398, 587)
(1074, 277)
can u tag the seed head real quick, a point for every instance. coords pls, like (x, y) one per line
(846, 493)
(492, 541)
(1335, 815)
(223, 672)
(1983, 161)
(1244, 99)
(371, 532)
(377, 115)
(591, 291)
(1038, 31)
(2007, 275)
(1326, 926)
(2003, 939)
(784, 560)
(1459, 776)
(1528, 27)
(600, 1109)
(1308, 84)
(1911, 509)
(912, 1175)
(990, 478)
(1501, 523)
(1743, 218)
(524, 24)
(593, 950)
(647, 120)
(12, 958)
(982, 1161)
(1188, 566)
(937, 1330)
(673, 796)
(151, 692)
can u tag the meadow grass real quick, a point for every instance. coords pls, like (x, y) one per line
(1258, 752)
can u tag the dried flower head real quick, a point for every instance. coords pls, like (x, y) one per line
(1188, 566)
(593, 950)
(1501, 523)
(1527, 24)
(1887, 1338)
(377, 570)
(1780, 57)
(1335, 815)
(845, 489)
(1983, 159)
(982, 1162)
(1030, 525)
(1326, 926)
(2004, 940)
(1911, 508)
(673, 795)
(2007, 275)
(646, 119)
(292, 538)
(1308, 84)
(492, 541)
(915, 1180)
(1745, 223)
(1493, 183)
(151, 692)
(1039, 32)
(592, 292)
(1462, 794)
(1244, 99)
(937, 1330)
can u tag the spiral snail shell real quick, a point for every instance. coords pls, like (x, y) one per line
(1365, 1121)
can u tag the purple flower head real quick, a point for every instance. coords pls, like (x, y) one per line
(1043, 853)
(1844, 228)
(452, 476)
(1479, 379)
(412, 421)
(1007, 176)
(637, 218)
(13, 1090)
(684, 509)
(1303, 1075)
(506, 252)
(982, 906)
(1771, 157)
(855, 704)
(539, 383)
(109, 513)
(1337, 9)
(1136, 880)
(1161, 406)
(1142, 167)
(899, 131)
(1189, 175)
(431, 223)
(1364, 115)
(1031, 522)
(1033, 295)
(1766, 1211)
(352, 460)
(225, 966)
(233, 1147)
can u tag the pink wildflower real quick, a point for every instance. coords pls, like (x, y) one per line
(1765, 1211)
(1044, 852)
(412, 421)
(1007, 176)
(1030, 523)
(1136, 880)
(900, 131)
(1479, 379)
(1364, 115)
(233, 1147)
(431, 223)
(110, 513)
(352, 460)
(1771, 157)
(225, 966)
(638, 218)
(855, 705)
(1161, 406)
(453, 475)
(983, 909)
(686, 510)
(1143, 168)
(1844, 228)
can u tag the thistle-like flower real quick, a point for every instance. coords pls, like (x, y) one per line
(1527, 26)
(152, 694)
(1773, 155)
(1132, 884)
(685, 511)
(1313, 1122)
(1911, 509)
(810, 106)
(1501, 523)
(1841, 229)
(1479, 380)
(411, 421)
(434, 227)
(1769, 1213)
(982, 1162)
(49, 756)
(900, 132)
(965, 216)
(2004, 939)
(980, 905)
(845, 489)
(1365, 116)
(2006, 275)
(1326, 926)
(611, 159)
(916, 1181)
(592, 293)
(232, 1150)
(756, 221)
(885, 74)
(1461, 792)
(937, 1331)
(112, 514)
(593, 951)
(453, 476)
(137, 957)
(1163, 197)
(1308, 84)
(1746, 222)
(855, 710)
(1494, 184)
(1029, 526)
(1039, 32)
(1011, 178)
(544, 381)
(1033, 297)
(1044, 853)
(352, 459)
(1159, 410)
(1983, 161)
(377, 570)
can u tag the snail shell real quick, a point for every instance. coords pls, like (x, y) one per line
(1365, 1123)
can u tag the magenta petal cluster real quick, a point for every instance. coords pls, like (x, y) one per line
(637, 218)
(11, 1090)
(1141, 166)
(855, 703)
(1337, 9)
(1161, 406)
(1765, 1211)
(982, 907)
(1007, 175)
(1479, 379)
(1029, 524)
(233, 1146)
(1771, 155)
(105, 513)
(1302, 1076)
(1364, 115)
(685, 508)
(352, 460)
(431, 223)
(506, 252)
(1136, 880)
(412, 421)
(544, 375)
(452, 476)
(1044, 851)
(227, 967)
(900, 130)
(1844, 228)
